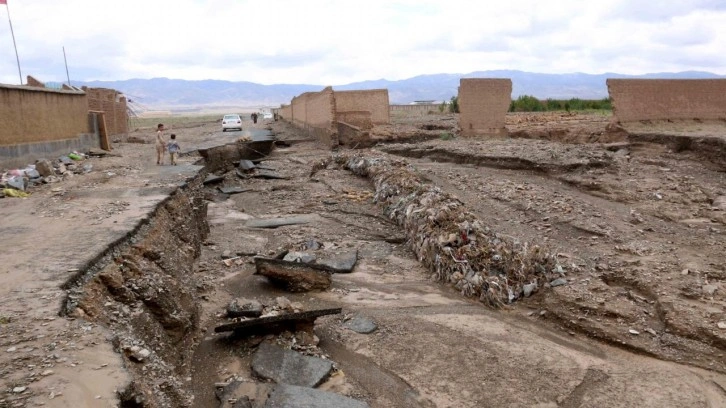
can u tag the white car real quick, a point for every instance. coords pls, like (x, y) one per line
(267, 115)
(231, 121)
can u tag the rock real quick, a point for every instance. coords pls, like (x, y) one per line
(293, 276)
(633, 332)
(290, 396)
(313, 245)
(32, 173)
(46, 373)
(62, 168)
(283, 303)
(44, 167)
(16, 182)
(269, 175)
(65, 160)
(721, 325)
(558, 282)
(709, 290)
(529, 289)
(719, 203)
(11, 349)
(240, 394)
(289, 367)
(18, 390)
(361, 325)
(244, 308)
(303, 257)
(226, 254)
(138, 354)
(342, 263)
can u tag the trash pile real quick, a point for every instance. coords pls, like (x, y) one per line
(15, 183)
(453, 242)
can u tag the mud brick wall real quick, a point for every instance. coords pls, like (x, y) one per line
(320, 111)
(660, 99)
(113, 103)
(421, 109)
(33, 114)
(299, 109)
(285, 112)
(360, 119)
(374, 101)
(483, 105)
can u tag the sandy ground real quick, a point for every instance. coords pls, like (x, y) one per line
(638, 224)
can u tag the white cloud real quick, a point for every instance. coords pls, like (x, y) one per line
(329, 42)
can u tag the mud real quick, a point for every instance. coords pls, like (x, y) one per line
(635, 223)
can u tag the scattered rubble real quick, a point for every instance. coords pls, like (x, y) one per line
(293, 276)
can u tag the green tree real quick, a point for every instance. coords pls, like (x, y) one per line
(454, 104)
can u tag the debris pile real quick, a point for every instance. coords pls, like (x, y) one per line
(16, 182)
(453, 242)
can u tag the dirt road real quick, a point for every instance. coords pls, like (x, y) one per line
(626, 252)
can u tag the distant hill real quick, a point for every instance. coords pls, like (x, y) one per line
(178, 94)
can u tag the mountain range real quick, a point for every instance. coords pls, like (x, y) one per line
(179, 94)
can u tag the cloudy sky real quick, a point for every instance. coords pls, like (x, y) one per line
(336, 42)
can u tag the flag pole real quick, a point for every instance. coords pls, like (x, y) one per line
(12, 33)
(66, 62)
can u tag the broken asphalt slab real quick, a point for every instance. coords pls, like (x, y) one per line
(293, 276)
(279, 222)
(341, 263)
(212, 178)
(270, 324)
(290, 396)
(284, 366)
(232, 190)
(246, 165)
(270, 176)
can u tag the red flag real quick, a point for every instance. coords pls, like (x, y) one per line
(5, 2)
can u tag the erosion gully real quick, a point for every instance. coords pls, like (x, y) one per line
(164, 289)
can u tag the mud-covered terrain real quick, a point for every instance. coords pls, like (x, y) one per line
(626, 307)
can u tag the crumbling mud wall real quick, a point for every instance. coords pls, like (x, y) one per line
(483, 106)
(113, 103)
(663, 99)
(418, 108)
(144, 290)
(374, 101)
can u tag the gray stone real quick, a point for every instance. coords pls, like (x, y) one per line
(279, 222)
(65, 160)
(289, 367)
(361, 325)
(244, 308)
(303, 257)
(246, 165)
(44, 167)
(16, 182)
(529, 289)
(290, 396)
(32, 173)
(62, 168)
(558, 282)
(719, 203)
(233, 190)
(313, 245)
(342, 263)
(709, 290)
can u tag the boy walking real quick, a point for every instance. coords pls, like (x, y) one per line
(173, 148)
